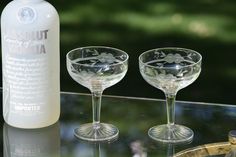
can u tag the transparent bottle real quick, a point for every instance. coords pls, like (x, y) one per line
(30, 64)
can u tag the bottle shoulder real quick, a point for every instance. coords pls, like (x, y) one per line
(9, 6)
(48, 8)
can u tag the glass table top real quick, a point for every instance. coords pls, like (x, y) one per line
(133, 116)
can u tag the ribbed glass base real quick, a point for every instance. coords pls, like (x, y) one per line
(98, 132)
(171, 133)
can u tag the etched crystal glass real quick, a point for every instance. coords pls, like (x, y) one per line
(97, 68)
(170, 69)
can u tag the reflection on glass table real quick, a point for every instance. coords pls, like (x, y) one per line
(133, 116)
(43, 142)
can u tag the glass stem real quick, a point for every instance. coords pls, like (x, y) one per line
(170, 150)
(96, 150)
(170, 108)
(96, 102)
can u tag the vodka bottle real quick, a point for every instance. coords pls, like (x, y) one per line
(30, 63)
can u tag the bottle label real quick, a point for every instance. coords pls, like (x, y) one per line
(26, 71)
(23, 43)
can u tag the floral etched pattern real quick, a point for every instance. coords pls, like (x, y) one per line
(177, 58)
(174, 58)
(170, 70)
(98, 68)
(106, 58)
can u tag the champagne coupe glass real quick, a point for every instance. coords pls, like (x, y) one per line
(170, 69)
(97, 68)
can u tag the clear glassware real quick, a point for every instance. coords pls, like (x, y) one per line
(97, 68)
(170, 69)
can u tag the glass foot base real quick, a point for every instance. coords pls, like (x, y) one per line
(171, 133)
(99, 132)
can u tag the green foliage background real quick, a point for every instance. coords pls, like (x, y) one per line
(207, 26)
